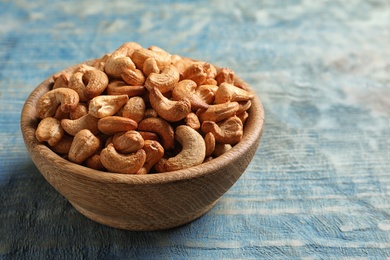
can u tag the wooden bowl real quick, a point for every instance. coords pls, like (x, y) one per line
(142, 202)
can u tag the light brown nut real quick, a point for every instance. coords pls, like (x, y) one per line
(120, 60)
(243, 117)
(221, 149)
(218, 112)
(133, 77)
(244, 106)
(119, 87)
(94, 162)
(228, 92)
(150, 66)
(225, 75)
(229, 131)
(61, 80)
(162, 58)
(209, 140)
(106, 105)
(84, 145)
(192, 121)
(73, 126)
(193, 150)
(49, 130)
(110, 125)
(101, 62)
(128, 142)
(196, 72)
(210, 70)
(210, 81)
(161, 127)
(60, 114)
(79, 111)
(63, 146)
(185, 89)
(150, 112)
(154, 152)
(76, 83)
(148, 135)
(134, 109)
(122, 163)
(206, 93)
(170, 110)
(181, 63)
(164, 81)
(96, 82)
(66, 98)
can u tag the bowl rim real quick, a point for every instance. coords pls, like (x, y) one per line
(253, 130)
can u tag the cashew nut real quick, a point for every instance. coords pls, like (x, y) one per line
(228, 92)
(196, 73)
(128, 142)
(170, 110)
(150, 66)
(110, 125)
(133, 77)
(161, 127)
(66, 98)
(63, 146)
(162, 58)
(120, 60)
(225, 75)
(122, 163)
(94, 162)
(229, 131)
(119, 87)
(154, 152)
(192, 121)
(97, 82)
(185, 89)
(84, 145)
(80, 110)
(206, 93)
(49, 130)
(106, 105)
(61, 80)
(164, 81)
(134, 109)
(87, 121)
(218, 112)
(209, 140)
(193, 150)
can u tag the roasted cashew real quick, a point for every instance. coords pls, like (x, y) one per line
(134, 109)
(63, 146)
(154, 152)
(192, 121)
(119, 87)
(128, 142)
(97, 82)
(229, 131)
(195, 72)
(209, 140)
(161, 127)
(61, 80)
(122, 163)
(87, 121)
(170, 110)
(66, 98)
(193, 150)
(84, 145)
(162, 58)
(150, 66)
(106, 105)
(221, 149)
(79, 111)
(120, 60)
(227, 92)
(133, 77)
(94, 162)
(218, 112)
(49, 130)
(206, 93)
(225, 75)
(185, 89)
(110, 125)
(164, 81)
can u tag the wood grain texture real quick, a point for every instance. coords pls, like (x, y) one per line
(317, 187)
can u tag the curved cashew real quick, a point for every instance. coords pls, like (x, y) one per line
(243, 117)
(106, 105)
(218, 112)
(133, 77)
(122, 163)
(206, 93)
(49, 130)
(63, 146)
(97, 82)
(229, 131)
(61, 80)
(110, 125)
(162, 58)
(60, 114)
(193, 149)
(128, 142)
(150, 66)
(244, 106)
(120, 60)
(195, 72)
(84, 145)
(165, 81)
(66, 98)
(185, 89)
(134, 109)
(87, 121)
(228, 92)
(225, 75)
(192, 121)
(170, 110)
(209, 140)
(161, 127)
(79, 111)
(94, 162)
(154, 152)
(221, 149)
(119, 87)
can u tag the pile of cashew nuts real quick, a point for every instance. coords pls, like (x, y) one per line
(142, 110)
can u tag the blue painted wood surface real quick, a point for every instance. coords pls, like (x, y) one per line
(319, 185)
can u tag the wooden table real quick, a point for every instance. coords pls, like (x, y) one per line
(319, 185)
